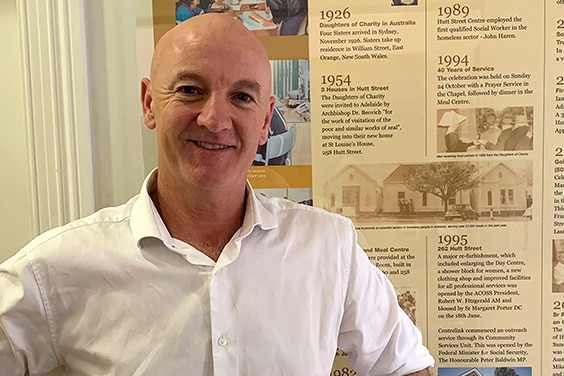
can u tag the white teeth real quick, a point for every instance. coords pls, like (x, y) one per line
(211, 146)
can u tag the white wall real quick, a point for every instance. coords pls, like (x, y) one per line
(72, 132)
(15, 216)
(115, 100)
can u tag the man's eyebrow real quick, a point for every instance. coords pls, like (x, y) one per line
(185, 76)
(243, 84)
(249, 84)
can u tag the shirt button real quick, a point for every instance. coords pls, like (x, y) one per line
(221, 341)
(217, 272)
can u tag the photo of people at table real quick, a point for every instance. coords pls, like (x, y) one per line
(487, 128)
(263, 17)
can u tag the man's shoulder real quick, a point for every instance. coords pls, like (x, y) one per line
(91, 226)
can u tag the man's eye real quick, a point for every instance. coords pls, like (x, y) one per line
(190, 90)
(243, 97)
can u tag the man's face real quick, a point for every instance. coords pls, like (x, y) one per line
(507, 120)
(211, 107)
(560, 256)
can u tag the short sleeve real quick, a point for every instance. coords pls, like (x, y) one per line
(379, 337)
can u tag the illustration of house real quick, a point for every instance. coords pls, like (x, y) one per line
(353, 193)
(503, 191)
(500, 190)
(471, 372)
(397, 195)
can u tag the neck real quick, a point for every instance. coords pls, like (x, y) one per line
(205, 219)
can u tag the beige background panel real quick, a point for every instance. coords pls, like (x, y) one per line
(280, 176)
(163, 17)
(286, 47)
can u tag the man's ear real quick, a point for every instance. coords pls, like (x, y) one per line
(266, 126)
(147, 103)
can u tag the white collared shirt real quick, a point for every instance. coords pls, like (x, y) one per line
(115, 294)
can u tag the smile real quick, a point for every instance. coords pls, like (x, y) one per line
(206, 145)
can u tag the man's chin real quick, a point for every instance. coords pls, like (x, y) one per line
(216, 178)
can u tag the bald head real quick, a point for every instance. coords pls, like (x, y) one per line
(224, 34)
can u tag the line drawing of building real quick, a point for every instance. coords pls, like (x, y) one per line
(353, 193)
(501, 191)
(471, 372)
(396, 194)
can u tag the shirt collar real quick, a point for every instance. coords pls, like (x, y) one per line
(146, 221)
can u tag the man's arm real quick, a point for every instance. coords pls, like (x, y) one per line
(25, 339)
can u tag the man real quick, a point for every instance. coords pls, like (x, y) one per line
(197, 275)
(521, 135)
(506, 126)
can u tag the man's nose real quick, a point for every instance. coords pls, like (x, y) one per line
(215, 114)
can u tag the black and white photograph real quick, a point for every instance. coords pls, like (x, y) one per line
(558, 265)
(484, 371)
(432, 192)
(406, 300)
(485, 129)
